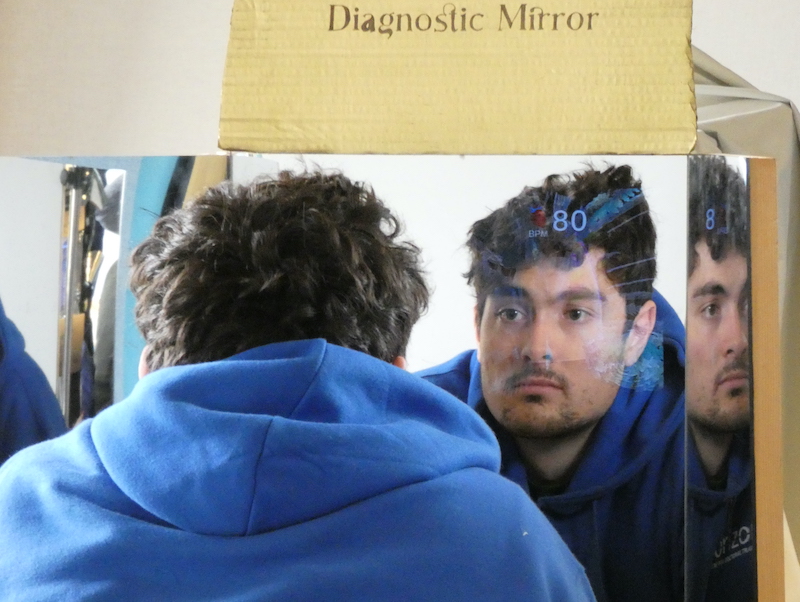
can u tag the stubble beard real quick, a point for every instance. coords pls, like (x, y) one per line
(720, 423)
(566, 424)
(716, 421)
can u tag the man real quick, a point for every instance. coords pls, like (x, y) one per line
(579, 371)
(272, 451)
(29, 411)
(721, 559)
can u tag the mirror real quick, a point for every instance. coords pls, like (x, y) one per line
(720, 520)
(596, 433)
(89, 253)
(618, 500)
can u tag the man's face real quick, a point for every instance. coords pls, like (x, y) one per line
(552, 349)
(717, 357)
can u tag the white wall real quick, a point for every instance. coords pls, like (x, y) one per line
(31, 208)
(111, 77)
(757, 40)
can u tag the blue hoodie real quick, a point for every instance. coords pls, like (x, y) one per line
(622, 514)
(294, 471)
(720, 530)
(29, 411)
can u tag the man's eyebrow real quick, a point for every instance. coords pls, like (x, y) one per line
(508, 290)
(572, 294)
(710, 289)
(581, 294)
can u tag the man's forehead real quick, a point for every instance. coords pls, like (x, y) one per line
(560, 268)
(726, 275)
(703, 251)
(731, 261)
(552, 279)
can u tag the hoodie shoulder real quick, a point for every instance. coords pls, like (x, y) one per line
(454, 375)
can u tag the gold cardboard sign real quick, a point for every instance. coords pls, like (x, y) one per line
(480, 77)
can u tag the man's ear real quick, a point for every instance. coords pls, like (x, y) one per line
(400, 362)
(144, 369)
(640, 332)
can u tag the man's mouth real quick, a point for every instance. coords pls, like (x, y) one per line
(538, 383)
(733, 379)
(528, 384)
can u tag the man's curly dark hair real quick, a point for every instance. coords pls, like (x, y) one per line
(500, 244)
(719, 203)
(295, 257)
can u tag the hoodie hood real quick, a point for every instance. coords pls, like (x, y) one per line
(740, 474)
(10, 338)
(295, 471)
(279, 435)
(29, 411)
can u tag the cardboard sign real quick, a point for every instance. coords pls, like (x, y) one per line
(480, 77)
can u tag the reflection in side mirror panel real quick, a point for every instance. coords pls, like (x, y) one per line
(89, 251)
(720, 520)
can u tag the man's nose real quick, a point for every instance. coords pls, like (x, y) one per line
(735, 329)
(539, 341)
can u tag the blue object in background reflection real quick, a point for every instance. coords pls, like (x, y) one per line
(29, 411)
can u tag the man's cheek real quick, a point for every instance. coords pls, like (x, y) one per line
(496, 355)
(604, 358)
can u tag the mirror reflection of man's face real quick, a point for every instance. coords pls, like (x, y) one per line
(552, 349)
(717, 355)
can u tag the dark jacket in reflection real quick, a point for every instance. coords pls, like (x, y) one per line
(622, 514)
(720, 529)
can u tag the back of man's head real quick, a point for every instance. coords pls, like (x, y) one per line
(296, 257)
(562, 219)
(718, 209)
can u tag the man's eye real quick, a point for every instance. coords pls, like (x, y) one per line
(576, 315)
(710, 311)
(744, 309)
(509, 314)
